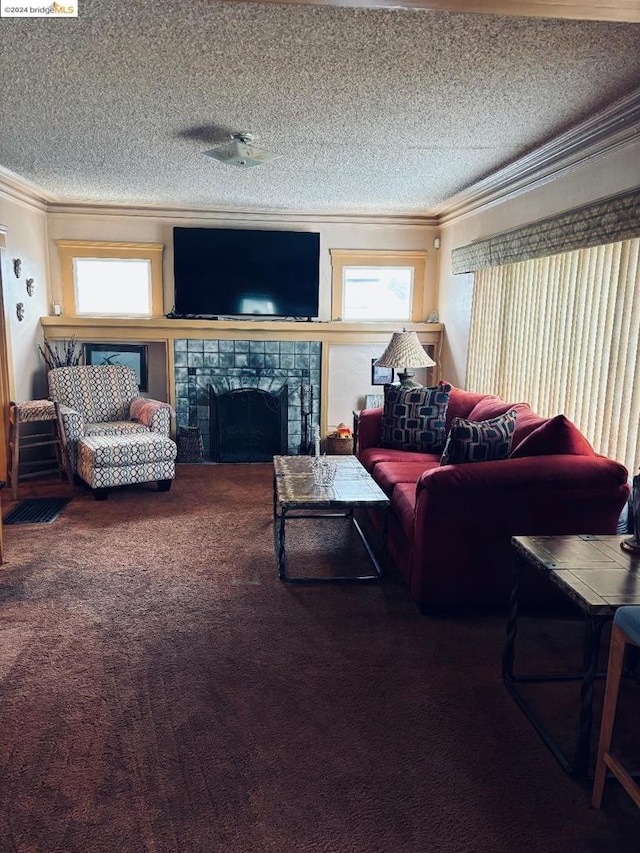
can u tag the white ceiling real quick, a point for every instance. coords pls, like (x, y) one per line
(374, 110)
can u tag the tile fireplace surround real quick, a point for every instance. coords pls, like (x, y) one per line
(226, 365)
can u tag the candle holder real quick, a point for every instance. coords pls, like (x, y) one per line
(306, 410)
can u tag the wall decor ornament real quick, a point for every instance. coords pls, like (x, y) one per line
(17, 267)
(20, 311)
(30, 285)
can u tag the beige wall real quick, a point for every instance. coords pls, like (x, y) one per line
(350, 372)
(597, 179)
(159, 229)
(346, 386)
(26, 239)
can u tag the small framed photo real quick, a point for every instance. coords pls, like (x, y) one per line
(373, 401)
(127, 355)
(380, 375)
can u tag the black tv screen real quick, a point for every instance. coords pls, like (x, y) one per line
(222, 272)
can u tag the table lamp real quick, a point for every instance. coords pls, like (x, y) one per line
(405, 351)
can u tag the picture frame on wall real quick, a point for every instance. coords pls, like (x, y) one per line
(127, 355)
(380, 375)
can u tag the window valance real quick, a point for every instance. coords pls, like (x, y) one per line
(606, 221)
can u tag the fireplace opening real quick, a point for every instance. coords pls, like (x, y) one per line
(248, 425)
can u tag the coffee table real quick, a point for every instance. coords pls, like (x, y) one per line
(597, 576)
(295, 495)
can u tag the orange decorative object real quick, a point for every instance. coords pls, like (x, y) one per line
(343, 431)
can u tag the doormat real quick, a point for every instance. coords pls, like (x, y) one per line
(36, 511)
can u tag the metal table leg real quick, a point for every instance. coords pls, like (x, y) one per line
(279, 522)
(576, 766)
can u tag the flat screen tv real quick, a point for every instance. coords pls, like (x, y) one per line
(224, 272)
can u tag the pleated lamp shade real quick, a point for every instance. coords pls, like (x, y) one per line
(404, 351)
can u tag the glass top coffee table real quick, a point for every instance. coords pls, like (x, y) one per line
(295, 495)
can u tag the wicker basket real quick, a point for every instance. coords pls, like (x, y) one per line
(339, 446)
(190, 444)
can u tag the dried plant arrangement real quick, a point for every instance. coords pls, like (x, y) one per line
(66, 353)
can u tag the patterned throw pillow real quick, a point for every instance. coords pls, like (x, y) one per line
(414, 418)
(479, 441)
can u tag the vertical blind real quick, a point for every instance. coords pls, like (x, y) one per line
(563, 334)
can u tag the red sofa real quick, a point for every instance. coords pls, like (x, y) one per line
(450, 526)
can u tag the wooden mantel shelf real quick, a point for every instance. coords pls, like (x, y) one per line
(162, 329)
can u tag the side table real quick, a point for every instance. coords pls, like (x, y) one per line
(597, 576)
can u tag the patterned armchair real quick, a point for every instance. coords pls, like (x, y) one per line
(96, 400)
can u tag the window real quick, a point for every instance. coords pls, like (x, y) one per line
(377, 293)
(563, 333)
(111, 279)
(377, 285)
(110, 285)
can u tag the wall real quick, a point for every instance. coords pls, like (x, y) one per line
(26, 238)
(594, 180)
(346, 386)
(158, 228)
(347, 361)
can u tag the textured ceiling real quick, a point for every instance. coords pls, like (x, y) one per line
(373, 110)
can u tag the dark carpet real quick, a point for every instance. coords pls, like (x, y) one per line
(162, 692)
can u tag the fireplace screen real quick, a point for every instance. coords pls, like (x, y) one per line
(248, 425)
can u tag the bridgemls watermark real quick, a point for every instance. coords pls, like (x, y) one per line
(13, 9)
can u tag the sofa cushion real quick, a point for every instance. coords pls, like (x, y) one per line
(388, 474)
(493, 407)
(479, 441)
(555, 436)
(461, 403)
(526, 422)
(414, 418)
(115, 428)
(370, 457)
(403, 504)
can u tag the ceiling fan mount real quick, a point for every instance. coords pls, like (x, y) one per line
(241, 151)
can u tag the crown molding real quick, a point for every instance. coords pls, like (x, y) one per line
(17, 189)
(602, 133)
(158, 211)
(588, 10)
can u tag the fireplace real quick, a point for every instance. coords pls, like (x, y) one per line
(248, 425)
(241, 365)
